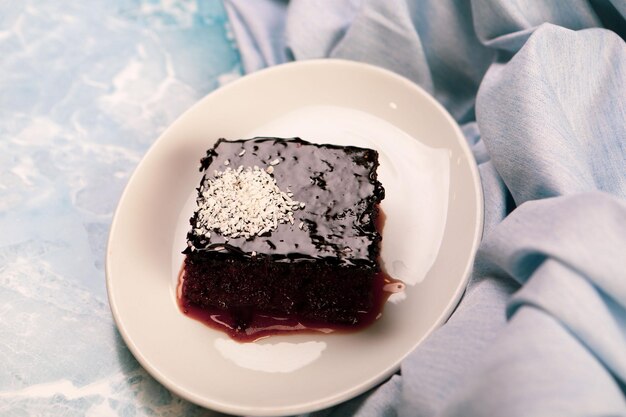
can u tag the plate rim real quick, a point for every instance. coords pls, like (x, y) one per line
(384, 374)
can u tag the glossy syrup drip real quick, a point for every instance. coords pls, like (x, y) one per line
(261, 325)
(338, 185)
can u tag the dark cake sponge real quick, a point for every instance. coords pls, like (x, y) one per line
(321, 267)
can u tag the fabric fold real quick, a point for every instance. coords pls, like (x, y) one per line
(564, 91)
(506, 25)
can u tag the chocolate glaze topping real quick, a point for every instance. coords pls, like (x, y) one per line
(340, 190)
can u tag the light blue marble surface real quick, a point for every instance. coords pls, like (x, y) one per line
(85, 89)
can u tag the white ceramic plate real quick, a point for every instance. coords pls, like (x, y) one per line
(434, 223)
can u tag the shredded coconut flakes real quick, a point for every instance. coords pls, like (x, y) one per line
(243, 203)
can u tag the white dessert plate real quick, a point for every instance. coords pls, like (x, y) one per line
(434, 217)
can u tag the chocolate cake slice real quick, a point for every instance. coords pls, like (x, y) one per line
(284, 228)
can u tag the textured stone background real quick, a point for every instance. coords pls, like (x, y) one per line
(85, 88)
